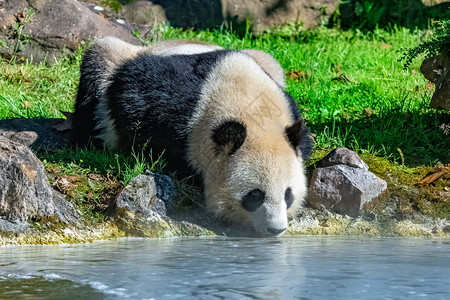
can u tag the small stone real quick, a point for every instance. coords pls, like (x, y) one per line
(99, 8)
(120, 21)
(343, 189)
(342, 156)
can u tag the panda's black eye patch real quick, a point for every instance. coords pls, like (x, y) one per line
(231, 133)
(288, 197)
(253, 200)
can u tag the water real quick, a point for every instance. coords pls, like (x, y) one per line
(286, 268)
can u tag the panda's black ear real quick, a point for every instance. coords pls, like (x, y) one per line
(298, 136)
(231, 134)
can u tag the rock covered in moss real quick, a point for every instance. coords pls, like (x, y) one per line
(344, 185)
(25, 193)
(142, 209)
(437, 70)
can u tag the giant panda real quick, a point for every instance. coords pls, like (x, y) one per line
(221, 114)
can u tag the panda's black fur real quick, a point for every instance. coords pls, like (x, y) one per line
(152, 98)
(89, 88)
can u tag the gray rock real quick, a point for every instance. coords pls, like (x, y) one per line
(147, 195)
(262, 14)
(342, 156)
(144, 12)
(25, 192)
(165, 188)
(56, 28)
(48, 134)
(343, 189)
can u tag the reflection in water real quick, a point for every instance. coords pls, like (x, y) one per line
(223, 268)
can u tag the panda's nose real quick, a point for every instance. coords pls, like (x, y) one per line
(275, 231)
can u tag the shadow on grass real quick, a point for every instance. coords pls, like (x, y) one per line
(411, 138)
(48, 134)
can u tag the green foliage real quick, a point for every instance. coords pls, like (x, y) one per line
(371, 14)
(29, 90)
(121, 166)
(115, 5)
(439, 43)
(21, 39)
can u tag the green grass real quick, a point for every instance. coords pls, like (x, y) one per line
(38, 91)
(375, 106)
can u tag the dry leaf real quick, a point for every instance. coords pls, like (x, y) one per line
(20, 16)
(343, 79)
(70, 178)
(298, 75)
(101, 15)
(338, 69)
(385, 46)
(97, 177)
(64, 184)
(438, 172)
(27, 104)
(367, 112)
(430, 86)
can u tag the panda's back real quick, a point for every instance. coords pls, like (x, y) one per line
(152, 98)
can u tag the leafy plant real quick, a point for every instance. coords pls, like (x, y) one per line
(440, 43)
(372, 14)
(115, 5)
(22, 19)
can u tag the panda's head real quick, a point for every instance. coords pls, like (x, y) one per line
(257, 177)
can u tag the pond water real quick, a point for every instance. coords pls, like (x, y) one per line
(303, 267)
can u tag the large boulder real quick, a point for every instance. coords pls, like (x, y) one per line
(344, 184)
(437, 70)
(262, 14)
(25, 192)
(47, 29)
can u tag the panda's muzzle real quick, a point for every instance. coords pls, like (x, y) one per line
(275, 231)
(268, 217)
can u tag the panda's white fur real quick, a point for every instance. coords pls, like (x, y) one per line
(229, 94)
(246, 86)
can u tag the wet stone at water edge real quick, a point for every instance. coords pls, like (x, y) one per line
(344, 184)
(147, 195)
